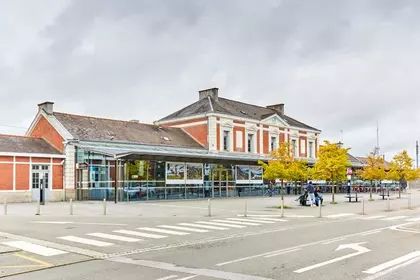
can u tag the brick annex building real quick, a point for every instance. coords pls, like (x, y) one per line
(210, 148)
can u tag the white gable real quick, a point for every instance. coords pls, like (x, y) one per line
(275, 120)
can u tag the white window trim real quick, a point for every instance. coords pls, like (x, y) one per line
(254, 142)
(230, 140)
(310, 153)
(296, 147)
(276, 143)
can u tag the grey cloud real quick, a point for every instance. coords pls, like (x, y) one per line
(338, 65)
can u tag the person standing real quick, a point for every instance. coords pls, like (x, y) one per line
(311, 192)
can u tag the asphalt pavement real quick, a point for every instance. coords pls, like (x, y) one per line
(242, 239)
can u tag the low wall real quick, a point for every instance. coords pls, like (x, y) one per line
(26, 196)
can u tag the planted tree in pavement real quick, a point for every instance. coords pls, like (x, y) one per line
(332, 164)
(374, 170)
(402, 169)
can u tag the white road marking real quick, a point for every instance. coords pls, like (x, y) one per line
(165, 231)
(269, 219)
(334, 240)
(237, 223)
(385, 272)
(369, 233)
(211, 273)
(86, 241)
(394, 218)
(33, 248)
(64, 223)
(51, 222)
(140, 234)
(185, 228)
(202, 226)
(220, 224)
(393, 262)
(189, 277)
(168, 277)
(299, 216)
(250, 220)
(339, 215)
(360, 250)
(413, 220)
(282, 253)
(372, 217)
(114, 237)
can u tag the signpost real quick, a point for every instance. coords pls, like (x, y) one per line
(41, 189)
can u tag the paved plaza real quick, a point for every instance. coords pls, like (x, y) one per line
(243, 238)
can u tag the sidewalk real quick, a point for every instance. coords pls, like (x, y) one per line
(199, 208)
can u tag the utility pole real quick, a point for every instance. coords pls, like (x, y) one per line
(377, 139)
(417, 154)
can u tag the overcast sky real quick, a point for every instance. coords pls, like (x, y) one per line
(337, 65)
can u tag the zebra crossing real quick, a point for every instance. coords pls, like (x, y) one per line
(141, 234)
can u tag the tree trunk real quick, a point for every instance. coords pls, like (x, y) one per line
(333, 191)
(371, 187)
(281, 190)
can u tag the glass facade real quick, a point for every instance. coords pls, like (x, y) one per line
(154, 180)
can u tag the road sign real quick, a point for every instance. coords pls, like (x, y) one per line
(355, 246)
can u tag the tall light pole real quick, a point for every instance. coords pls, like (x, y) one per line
(417, 154)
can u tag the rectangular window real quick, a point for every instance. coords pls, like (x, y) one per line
(226, 140)
(311, 149)
(294, 147)
(273, 143)
(250, 143)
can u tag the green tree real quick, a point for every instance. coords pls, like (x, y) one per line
(402, 169)
(332, 164)
(374, 170)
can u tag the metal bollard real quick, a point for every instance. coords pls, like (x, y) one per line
(38, 207)
(363, 205)
(320, 209)
(282, 208)
(5, 206)
(209, 206)
(409, 201)
(71, 206)
(388, 204)
(246, 208)
(104, 206)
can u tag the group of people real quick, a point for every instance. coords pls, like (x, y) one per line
(314, 195)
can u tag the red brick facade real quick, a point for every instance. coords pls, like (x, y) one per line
(44, 129)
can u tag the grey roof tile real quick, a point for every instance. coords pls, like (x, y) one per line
(100, 129)
(232, 108)
(23, 144)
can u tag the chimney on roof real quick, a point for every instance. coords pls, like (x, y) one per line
(47, 107)
(279, 108)
(212, 92)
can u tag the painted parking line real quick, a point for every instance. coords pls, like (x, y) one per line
(33, 248)
(185, 228)
(114, 237)
(394, 218)
(237, 223)
(282, 253)
(164, 231)
(250, 220)
(393, 262)
(202, 226)
(370, 233)
(86, 241)
(220, 224)
(339, 215)
(140, 234)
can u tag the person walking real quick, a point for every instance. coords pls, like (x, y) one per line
(311, 192)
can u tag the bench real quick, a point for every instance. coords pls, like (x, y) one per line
(384, 195)
(355, 197)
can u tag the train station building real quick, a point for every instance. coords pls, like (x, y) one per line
(210, 148)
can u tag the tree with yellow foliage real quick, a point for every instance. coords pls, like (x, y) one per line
(374, 170)
(332, 164)
(283, 166)
(402, 169)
